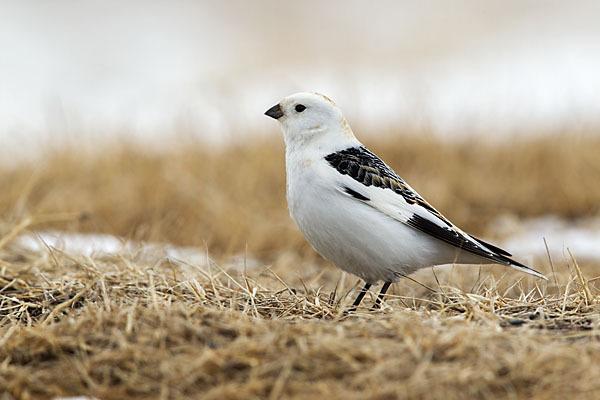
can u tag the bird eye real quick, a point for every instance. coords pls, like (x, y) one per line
(300, 108)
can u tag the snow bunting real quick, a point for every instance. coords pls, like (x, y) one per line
(356, 211)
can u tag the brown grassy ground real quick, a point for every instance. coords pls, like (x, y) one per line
(232, 197)
(142, 326)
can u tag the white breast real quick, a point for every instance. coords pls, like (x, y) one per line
(351, 234)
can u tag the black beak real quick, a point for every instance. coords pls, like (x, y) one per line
(275, 112)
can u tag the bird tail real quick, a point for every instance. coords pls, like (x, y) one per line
(503, 257)
(521, 267)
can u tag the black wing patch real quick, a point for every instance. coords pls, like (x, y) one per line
(492, 247)
(365, 167)
(454, 238)
(355, 194)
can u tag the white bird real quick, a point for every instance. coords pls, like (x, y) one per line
(356, 211)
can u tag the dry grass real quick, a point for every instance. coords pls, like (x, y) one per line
(118, 327)
(144, 326)
(232, 197)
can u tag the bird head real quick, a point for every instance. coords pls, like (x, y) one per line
(311, 118)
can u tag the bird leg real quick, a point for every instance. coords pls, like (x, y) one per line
(384, 289)
(360, 297)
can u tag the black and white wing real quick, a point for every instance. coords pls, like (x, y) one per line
(381, 188)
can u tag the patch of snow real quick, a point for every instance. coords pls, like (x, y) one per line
(77, 243)
(93, 244)
(76, 398)
(526, 237)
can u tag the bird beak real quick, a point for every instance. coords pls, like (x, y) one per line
(275, 112)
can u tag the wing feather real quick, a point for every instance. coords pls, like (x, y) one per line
(371, 181)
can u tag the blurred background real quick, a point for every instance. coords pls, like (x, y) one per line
(211, 68)
(489, 109)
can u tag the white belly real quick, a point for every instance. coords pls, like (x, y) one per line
(357, 238)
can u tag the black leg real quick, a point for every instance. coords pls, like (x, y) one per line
(360, 297)
(384, 289)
